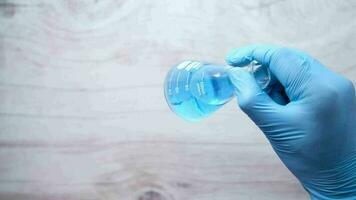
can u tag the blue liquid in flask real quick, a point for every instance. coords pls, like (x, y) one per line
(195, 89)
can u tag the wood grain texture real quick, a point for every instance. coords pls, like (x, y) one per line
(82, 113)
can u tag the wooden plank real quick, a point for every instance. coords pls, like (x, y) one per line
(183, 170)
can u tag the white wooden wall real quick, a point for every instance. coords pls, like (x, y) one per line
(82, 112)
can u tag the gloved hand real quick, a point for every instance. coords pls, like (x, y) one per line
(309, 120)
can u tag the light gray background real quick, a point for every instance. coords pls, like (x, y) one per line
(82, 112)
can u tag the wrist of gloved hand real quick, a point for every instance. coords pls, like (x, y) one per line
(338, 182)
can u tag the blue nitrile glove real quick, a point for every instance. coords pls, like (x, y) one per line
(310, 121)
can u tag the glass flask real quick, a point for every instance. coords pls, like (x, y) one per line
(195, 89)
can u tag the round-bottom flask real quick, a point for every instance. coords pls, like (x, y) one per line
(195, 89)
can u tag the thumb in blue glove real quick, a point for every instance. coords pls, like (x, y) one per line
(309, 117)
